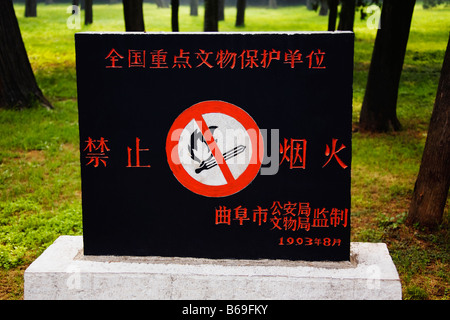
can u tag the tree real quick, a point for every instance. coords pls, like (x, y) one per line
(378, 112)
(332, 16)
(194, 7)
(312, 4)
(88, 12)
(273, 4)
(347, 15)
(221, 10)
(133, 14)
(162, 3)
(211, 22)
(31, 8)
(433, 181)
(175, 4)
(18, 87)
(323, 11)
(240, 13)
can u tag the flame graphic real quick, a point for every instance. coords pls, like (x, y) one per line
(198, 149)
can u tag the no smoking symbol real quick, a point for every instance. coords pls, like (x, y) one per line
(214, 148)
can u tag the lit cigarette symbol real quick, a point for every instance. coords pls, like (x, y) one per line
(210, 163)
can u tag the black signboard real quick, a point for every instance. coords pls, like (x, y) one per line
(216, 145)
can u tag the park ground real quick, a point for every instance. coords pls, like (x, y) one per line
(40, 188)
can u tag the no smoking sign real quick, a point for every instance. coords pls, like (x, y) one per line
(214, 149)
(224, 145)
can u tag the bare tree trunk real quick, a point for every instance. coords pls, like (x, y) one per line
(332, 15)
(379, 108)
(31, 8)
(133, 14)
(175, 5)
(433, 181)
(240, 13)
(221, 12)
(88, 18)
(347, 15)
(273, 4)
(194, 8)
(323, 8)
(310, 5)
(211, 16)
(18, 87)
(162, 3)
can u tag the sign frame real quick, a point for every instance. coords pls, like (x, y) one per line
(297, 88)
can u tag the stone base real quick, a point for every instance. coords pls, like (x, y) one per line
(63, 272)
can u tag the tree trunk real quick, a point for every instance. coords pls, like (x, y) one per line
(347, 16)
(240, 13)
(194, 8)
(175, 4)
(433, 181)
(312, 5)
(323, 8)
(378, 112)
(88, 18)
(211, 16)
(18, 87)
(80, 3)
(162, 3)
(332, 15)
(221, 10)
(133, 14)
(273, 4)
(31, 8)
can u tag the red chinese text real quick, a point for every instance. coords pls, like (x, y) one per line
(96, 151)
(287, 216)
(113, 57)
(223, 58)
(333, 154)
(293, 151)
(306, 241)
(138, 150)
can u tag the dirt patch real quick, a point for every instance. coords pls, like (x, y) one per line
(34, 156)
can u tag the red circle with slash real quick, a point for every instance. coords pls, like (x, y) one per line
(196, 113)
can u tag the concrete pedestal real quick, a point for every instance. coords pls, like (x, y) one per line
(63, 272)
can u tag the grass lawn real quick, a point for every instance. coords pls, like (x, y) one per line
(40, 188)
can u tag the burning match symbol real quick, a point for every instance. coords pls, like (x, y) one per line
(202, 154)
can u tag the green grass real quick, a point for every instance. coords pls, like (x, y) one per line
(39, 155)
